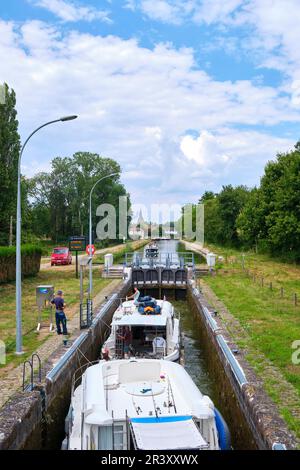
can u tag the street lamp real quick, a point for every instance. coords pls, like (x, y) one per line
(90, 234)
(19, 348)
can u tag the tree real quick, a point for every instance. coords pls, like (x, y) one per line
(9, 153)
(251, 223)
(231, 201)
(64, 193)
(280, 186)
(207, 196)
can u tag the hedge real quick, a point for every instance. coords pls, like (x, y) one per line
(31, 261)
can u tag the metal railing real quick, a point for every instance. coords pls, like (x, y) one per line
(30, 362)
(230, 358)
(139, 259)
(234, 364)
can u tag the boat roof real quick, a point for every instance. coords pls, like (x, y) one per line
(154, 433)
(142, 388)
(128, 314)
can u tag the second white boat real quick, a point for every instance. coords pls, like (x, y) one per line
(144, 332)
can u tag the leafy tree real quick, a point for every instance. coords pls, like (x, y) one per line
(280, 186)
(207, 196)
(64, 193)
(212, 221)
(231, 201)
(9, 152)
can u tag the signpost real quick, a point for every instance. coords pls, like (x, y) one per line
(77, 244)
(88, 249)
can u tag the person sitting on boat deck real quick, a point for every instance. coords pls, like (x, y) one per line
(135, 296)
(127, 338)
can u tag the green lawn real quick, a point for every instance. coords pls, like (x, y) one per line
(271, 322)
(119, 256)
(61, 279)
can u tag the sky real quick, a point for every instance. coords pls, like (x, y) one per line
(187, 95)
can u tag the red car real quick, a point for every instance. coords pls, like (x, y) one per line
(61, 255)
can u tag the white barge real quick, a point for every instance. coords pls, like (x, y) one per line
(154, 332)
(141, 404)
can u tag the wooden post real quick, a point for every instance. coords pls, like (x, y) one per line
(281, 292)
(243, 262)
(262, 282)
(295, 299)
(11, 231)
(76, 264)
(271, 286)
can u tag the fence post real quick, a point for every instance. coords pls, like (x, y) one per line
(295, 299)
(271, 286)
(262, 282)
(281, 292)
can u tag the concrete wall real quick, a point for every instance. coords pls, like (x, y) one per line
(21, 422)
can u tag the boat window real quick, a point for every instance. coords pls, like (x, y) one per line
(111, 438)
(118, 437)
(105, 438)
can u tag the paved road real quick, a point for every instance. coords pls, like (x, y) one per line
(112, 249)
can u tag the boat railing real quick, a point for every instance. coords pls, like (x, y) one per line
(77, 376)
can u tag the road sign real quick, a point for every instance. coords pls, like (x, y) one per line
(77, 243)
(88, 249)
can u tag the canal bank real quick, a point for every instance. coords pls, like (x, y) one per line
(35, 420)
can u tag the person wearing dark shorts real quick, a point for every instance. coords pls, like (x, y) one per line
(60, 317)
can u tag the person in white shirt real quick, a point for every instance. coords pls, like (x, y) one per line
(135, 296)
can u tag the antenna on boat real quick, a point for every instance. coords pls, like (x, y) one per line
(138, 409)
(113, 430)
(156, 414)
(169, 384)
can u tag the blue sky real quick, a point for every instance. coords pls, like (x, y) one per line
(186, 95)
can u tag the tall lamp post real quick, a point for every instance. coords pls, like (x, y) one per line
(19, 346)
(90, 234)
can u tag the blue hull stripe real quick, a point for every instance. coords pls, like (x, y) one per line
(162, 419)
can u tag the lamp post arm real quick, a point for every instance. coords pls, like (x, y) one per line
(90, 233)
(32, 134)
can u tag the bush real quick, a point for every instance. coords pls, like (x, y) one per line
(31, 260)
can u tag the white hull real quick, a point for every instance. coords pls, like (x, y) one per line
(140, 404)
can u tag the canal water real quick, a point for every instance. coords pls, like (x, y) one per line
(194, 358)
(195, 361)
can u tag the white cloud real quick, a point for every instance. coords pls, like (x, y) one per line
(134, 105)
(215, 11)
(70, 11)
(204, 150)
(162, 10)
(178, 11)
